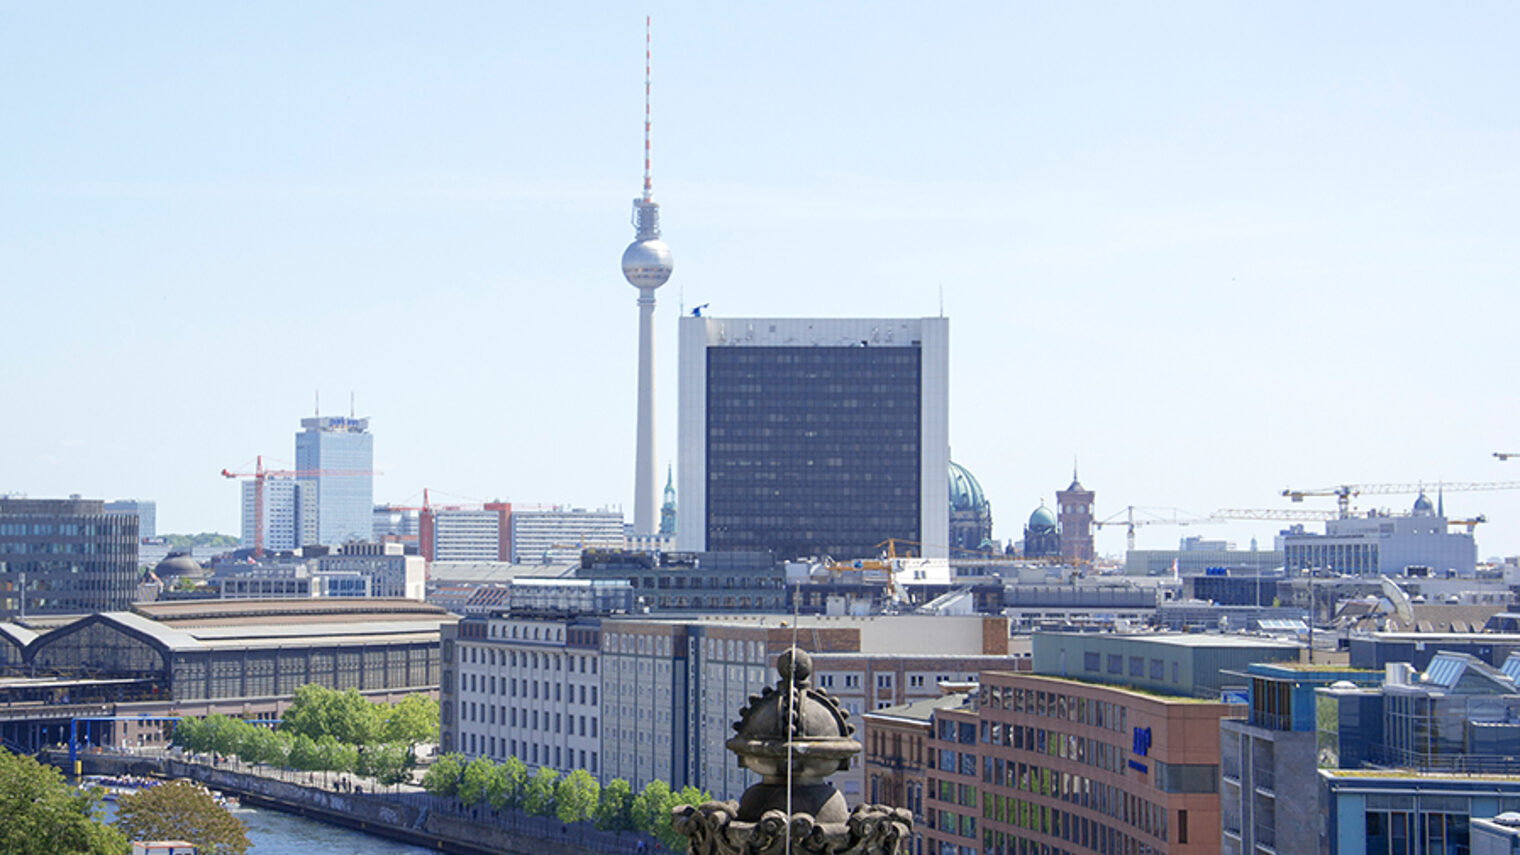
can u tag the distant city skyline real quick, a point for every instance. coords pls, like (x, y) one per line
(1212, 251)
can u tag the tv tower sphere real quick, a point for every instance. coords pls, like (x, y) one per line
(647, 263)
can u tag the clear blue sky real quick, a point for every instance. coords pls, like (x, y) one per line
(1213, 249)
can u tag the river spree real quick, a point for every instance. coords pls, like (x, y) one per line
(274, 833)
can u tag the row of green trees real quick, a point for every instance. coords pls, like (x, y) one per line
(575, 797)
(324, 730)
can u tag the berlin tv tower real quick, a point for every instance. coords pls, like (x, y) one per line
(646, 265)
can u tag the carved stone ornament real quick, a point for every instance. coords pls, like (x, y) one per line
(794, 736)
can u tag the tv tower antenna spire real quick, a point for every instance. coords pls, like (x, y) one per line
(647, 265)
(648, 182)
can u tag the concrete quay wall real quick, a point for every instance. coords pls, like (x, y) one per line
(405, 817)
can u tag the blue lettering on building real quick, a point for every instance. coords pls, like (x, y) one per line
(1142, 742)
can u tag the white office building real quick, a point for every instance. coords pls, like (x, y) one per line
(285, 511)
(557, 536)
(466, 535)
(523, 686)
(395, 523)
(1379, 543)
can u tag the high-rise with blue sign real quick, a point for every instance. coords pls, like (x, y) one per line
(335, 458)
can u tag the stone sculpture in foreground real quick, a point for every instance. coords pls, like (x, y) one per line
(794, 736)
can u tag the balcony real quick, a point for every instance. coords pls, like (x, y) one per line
(1261, 777)
(1229, 767)
(1271, 721)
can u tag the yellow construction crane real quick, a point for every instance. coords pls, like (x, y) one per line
(1471, 523)
(1343, 493)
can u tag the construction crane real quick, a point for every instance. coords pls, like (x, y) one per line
(1471, 522)
(1258, 514)
(425, 537)
(1314, 516)
(260, 475)
(1128, 519)
(1343, 493)
(1505, 455)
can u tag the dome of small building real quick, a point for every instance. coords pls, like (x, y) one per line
(1043, 519)
(965, 490)
(1342, 685)
(176, 565)
(1423, 504)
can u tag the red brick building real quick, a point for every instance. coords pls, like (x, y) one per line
(1074, 511)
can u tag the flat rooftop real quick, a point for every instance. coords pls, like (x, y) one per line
(185, 614)
(919, 711)
(1116, 687)
(1188, 639)
(1469, 637)
(455, 572)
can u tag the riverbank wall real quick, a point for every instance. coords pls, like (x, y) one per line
(411, 817)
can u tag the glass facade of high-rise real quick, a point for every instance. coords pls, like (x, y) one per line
(65, 556)
(336, 457)
(812, 450)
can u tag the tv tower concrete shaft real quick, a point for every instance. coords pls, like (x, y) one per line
(644, 519)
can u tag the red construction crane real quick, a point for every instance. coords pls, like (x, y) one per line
(260, 475)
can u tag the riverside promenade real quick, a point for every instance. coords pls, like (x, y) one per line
(403, 812)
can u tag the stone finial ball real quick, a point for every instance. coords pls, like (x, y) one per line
(795, 665)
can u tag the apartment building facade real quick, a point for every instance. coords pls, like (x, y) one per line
(1041, 765)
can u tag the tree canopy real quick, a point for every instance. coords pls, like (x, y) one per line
(575, 796)
(411, 720)
(508, 781)
(346, 716)
(179, 810)
(538, 795)
(613, 806)
(386, 762)
(44, 816)
(474, 780)
(442, 778)
(652, 807)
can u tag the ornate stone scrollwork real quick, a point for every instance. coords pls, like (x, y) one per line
(794, 736)
(714, 830)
